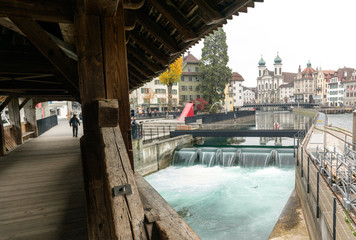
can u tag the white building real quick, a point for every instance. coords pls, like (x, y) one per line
(248, 95)
(268, 82)
(153, 95)
(286, 92)
(237, 89)
(335, 92)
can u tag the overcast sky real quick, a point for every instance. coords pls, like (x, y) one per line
(322, 31)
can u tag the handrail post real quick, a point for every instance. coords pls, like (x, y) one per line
(334, 219)
(308, 186)
(317, 194)
(301, 162)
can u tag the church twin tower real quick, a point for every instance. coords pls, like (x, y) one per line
(277, 66)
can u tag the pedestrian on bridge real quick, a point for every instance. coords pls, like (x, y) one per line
(74, 122)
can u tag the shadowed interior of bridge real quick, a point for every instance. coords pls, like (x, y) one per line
(41, 188)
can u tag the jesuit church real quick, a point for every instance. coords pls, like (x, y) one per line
(269, 82)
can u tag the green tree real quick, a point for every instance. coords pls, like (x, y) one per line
(171, 76)
(213, 70)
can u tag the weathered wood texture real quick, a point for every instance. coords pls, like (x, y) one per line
(167, 224)
(30, 115)
(103, 74)
(66, 66)
(14, 115)
(9, 141)
(41, 189)
(2, 140)
(110, 217)
(116, 72)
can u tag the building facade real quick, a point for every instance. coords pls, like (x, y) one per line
(268, 82)
(189, 83)
(350, 90)
(249, 95)
(304, 85)
(322, 78)
(237, 89)
(153, 95)
(286, 92)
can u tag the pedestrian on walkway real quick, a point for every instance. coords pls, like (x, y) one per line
(74, 122)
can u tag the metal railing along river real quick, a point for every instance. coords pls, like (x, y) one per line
(329, 178)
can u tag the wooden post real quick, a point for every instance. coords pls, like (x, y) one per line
(14, 115)
(102, 72)
(2, 140)
(30, 115)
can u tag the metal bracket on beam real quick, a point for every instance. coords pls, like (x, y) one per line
(122, 190)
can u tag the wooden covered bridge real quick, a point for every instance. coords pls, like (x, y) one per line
(95, 51)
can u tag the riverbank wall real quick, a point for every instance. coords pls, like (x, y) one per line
(149, 158)
(305, 111)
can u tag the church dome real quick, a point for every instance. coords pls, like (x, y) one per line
(261, 62)
(277, 59)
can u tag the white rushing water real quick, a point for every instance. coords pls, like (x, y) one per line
(226, 202)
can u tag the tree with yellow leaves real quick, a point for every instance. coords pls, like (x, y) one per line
(171, 76)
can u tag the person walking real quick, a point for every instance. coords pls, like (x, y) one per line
(74, 122)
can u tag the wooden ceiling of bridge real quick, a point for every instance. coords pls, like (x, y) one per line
(37, 39)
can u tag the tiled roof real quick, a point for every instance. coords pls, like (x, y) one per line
(190, 59)
(288, 76)
(287, 85)
(237, 77)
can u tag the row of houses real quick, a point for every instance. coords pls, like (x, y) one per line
(154, 94)
(327, 87)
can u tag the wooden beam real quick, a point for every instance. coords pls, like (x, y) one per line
(133, 4)
(106, 8)
(143, 58)
(150, 48)
(27, 85)
(6, 102)
(212, 16)
(234, 6)
(50, 11)
(117, 82)
(66, 66)
(158, 32)
(24, 102)
(139, 67)
(175, 17)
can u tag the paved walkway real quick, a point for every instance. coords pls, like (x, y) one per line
(41, 188)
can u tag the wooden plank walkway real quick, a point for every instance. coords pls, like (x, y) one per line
(41, 188)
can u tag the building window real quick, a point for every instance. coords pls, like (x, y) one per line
(266, 85)
(188, 69)
(275, 86)
(280, 71)
(182, 79)
(198, 96)
(184, 88)
(197, 79)
(157, 82)
(160, 91)
(174, 92)
(275, 71)
(190, 88)
(260, 73)
(182, 97)
(144, 90)
(196, 69)
(190, 79)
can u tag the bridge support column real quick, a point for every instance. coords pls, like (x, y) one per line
(30, 115)
(106, 144)
(14, 115)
